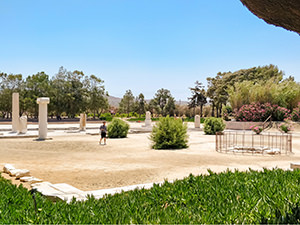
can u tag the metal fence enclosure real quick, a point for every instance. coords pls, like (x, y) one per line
(248, 142)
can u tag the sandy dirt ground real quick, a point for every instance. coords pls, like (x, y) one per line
(79, 160)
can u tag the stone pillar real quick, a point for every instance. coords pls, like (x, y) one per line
(23, 125)
(82, 124)
(15, 112)
(43, 117)
(148, 119)
(197, 121)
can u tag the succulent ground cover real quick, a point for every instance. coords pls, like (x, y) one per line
(269, 196)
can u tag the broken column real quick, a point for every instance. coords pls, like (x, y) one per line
(197, 121)
(148, 119)
(15, 112)
(22, 125)
(82, 124)
(43, 117)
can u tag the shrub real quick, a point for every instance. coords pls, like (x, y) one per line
(295, 116)
(117, 128)
(280, 113)
(257, 112)
(213, 125)
(202, 120)
(226, 112)
(256, 129)
(254, 112)
(106, 116)
(169, 133)
(285, 127)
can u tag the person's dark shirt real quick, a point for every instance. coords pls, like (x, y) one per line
(103, 128)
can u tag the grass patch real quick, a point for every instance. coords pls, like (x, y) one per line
(270, 196)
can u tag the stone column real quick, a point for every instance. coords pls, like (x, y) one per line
(43, 117)
(197, 121)
(148, 119)
(82, 124)
(15, 112)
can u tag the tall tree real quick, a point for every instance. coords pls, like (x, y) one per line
(9, 83)
(165, 103)
(127, 102)
(97, 97)
(36, 86)
(140, 104)
(198, 97)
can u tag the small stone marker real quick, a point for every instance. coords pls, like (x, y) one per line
(15, 112)
(22, 125)
(82, 124)
(43, 117)
(197, 121)
(148, 119)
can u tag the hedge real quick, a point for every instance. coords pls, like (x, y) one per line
(269, 196)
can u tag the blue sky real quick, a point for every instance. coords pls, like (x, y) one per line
(142, 45)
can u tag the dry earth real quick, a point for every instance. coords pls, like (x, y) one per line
(80, 161)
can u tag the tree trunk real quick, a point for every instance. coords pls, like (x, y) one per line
(201, 110)
(213, 110)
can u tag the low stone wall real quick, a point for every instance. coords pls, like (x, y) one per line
(237, 125)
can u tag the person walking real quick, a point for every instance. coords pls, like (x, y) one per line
(103, 131)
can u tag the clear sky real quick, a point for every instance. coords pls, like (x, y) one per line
(142, 45)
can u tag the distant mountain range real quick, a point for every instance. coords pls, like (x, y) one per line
(114, 101)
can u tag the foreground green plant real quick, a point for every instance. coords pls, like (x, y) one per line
(269, 196)
(169, 133)
(117, 128)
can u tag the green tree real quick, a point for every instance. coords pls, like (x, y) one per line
(97, 97)
(164, 102)
(198, 97)
(69, 91)
(36, 86)
(127, 102)
(9, 83)
(140, 104)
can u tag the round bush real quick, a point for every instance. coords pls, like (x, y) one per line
(169, 133)
(117, 128)
(213, 125)
(296, 113)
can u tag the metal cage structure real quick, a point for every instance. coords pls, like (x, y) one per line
(248, 142)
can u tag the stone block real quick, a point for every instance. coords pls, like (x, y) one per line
(22, 173)
(7, 168)
(30, 180)
(62, 191)
(295, 165)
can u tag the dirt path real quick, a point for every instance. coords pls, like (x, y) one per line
(79, 160)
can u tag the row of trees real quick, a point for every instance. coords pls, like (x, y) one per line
(69, 92)
(163, 103)
(75, 92)
(258, 84)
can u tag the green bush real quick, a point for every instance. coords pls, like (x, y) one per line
(136, 119)
(169, 133)
(265, 197)
(106, 117)
(213, 125)
(117, 128)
